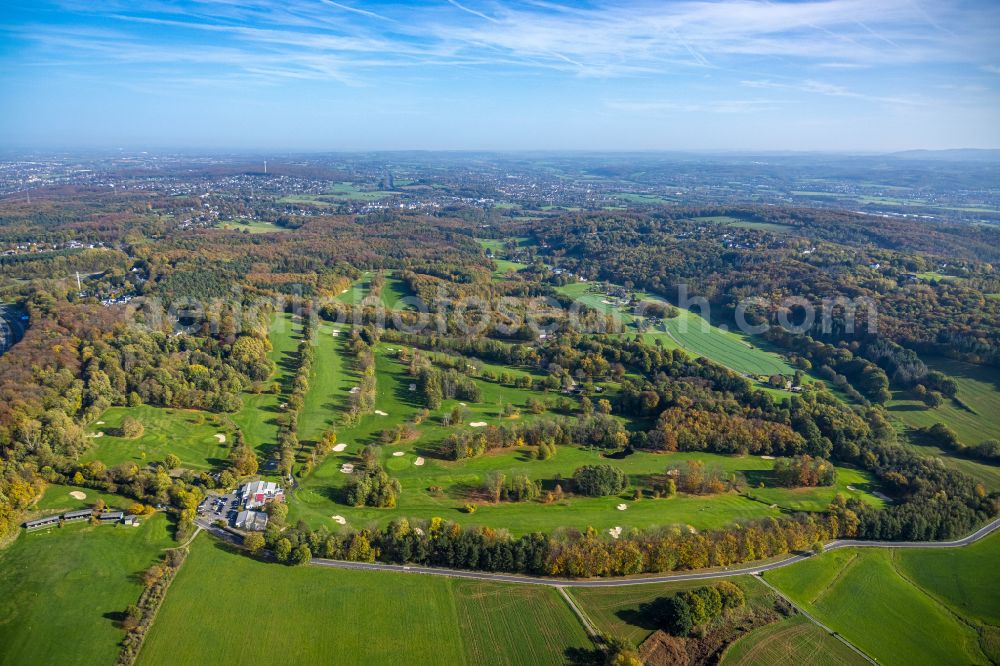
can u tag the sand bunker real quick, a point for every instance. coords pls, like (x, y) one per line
(355, 389)
(463, 404)
(478, 424)
(418, 462)
(335, 332)
(615, 532)
(347, 468)
(851, 488)
(767, 457)
(692, 530)
(95, 435)
(622, 507)
(339, 447)
(380, 412)
(396, 454)
(221, 438)
(77, 495)
(100, 423)
(339, 519)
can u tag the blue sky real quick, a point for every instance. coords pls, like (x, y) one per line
(854, 75)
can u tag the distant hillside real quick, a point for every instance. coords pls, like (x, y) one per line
(953, 155)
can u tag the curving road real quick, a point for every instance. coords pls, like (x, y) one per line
(635, 580)
(12, 327)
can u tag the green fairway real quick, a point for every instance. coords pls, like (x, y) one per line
(442, 488)
(795, 641)
(620, 612)
(57, 499)
(200, 439)
(358, 291)
(898, 606)
(318, 615)
(329, 384)
(257, 419)
(62, 589)
(393, 291)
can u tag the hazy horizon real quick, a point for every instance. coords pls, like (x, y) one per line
(733, 76)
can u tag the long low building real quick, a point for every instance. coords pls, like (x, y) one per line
(79, 514)
(254, 521)
(48, 521)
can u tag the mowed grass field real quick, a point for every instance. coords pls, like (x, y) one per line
(227, 608)
(974, 419)
(620, 611)
(978, 389)
(257, 419)
(252, 226)
(62, 589)
(190, 434)
(902, 607)
(442, 488)
(691, 332)
(795, 641)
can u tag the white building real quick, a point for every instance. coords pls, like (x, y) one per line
(254, 521)
(257, 493)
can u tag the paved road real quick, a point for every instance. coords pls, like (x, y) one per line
(12, 327)
(645, 580)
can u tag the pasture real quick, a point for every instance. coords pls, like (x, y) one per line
(62, 590)
(252, 226)
(691, 332)
(897, 605)
(441, 487)
(318, 615)
(191, 435)
(972, 416)
(795, 641)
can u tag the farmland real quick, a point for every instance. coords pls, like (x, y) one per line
(314, 615)
(62, 589)
(972, 416)
(795, 641)
(619, 611)
(690, 332)
(899, 606)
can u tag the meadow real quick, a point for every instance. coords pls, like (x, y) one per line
(318, 615)
(252, 226)
(191, 435)
(441, 488)
(62, 590)
(690, 332)
(619, 611)
(900, 606)
(973, 416)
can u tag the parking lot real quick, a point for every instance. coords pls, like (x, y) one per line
(220, 507)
